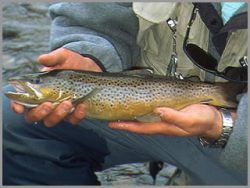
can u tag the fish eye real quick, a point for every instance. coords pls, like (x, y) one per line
(36, 80)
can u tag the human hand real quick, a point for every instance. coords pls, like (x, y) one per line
(61, 58)
(194, 120)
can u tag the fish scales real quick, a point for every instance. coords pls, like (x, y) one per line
(135, 97)
(117, 96)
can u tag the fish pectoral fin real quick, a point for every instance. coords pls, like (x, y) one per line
(151, 117)
(89, 95)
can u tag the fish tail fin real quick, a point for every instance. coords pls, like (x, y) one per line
(226, 94)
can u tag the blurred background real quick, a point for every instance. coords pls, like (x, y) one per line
(25, 36)
(26, 30)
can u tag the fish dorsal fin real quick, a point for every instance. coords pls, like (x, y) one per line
(139, 71)
(89, 95)
(193, 79)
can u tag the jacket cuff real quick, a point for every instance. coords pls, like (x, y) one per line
(97, 61)
(104, 54)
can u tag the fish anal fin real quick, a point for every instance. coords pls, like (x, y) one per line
(187, 102)
(151, 117)
(221, 102)
(206, 101)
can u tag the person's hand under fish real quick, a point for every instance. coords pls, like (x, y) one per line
(61, 58)
(194, 120)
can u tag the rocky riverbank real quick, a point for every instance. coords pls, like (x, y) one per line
(25, 37)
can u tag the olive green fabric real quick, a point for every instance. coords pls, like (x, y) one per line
(155, 38)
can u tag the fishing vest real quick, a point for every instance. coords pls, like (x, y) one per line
(155, 39)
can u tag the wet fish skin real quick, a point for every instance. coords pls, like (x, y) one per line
(117, 96)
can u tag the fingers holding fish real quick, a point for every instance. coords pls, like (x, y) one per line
(17, 107)
(197, 119)
(173, 116)
(78, 114)
(58, 114)
(38, 113)
(162, 128)
(194, 120)
(53, 58)
(63, 58)
(52, 116)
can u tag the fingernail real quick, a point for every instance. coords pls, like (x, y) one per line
(46, 68)
(112, 125)
(65, 108)
(159, 111)
(72, 110)
(81, 108)
(45, 110)
(118, 125)
(122, 125)
(48, 124)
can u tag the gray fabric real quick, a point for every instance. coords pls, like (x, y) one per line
(234, 156)
(106, 31)
(217, 7)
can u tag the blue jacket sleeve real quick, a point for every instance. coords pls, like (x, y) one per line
(105, 32)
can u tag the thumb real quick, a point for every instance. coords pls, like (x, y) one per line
(47, 68)
(172, 116)
(52, 59)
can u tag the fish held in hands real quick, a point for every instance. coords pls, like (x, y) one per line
(118, 96)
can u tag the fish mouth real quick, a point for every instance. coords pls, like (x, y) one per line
(25, 93)
(20, 89)
(23, 87)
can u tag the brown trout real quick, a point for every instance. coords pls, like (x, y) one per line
(118, 96)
